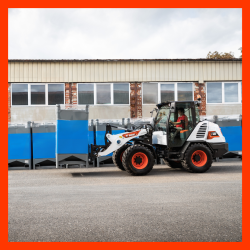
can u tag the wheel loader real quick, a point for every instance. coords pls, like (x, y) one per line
(177, 136)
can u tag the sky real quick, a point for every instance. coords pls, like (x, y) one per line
(122, 33)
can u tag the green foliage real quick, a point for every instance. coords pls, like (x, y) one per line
(217, 55)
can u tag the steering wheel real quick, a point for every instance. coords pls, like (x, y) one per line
(172, 128)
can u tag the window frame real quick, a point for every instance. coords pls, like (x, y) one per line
(142, 90)
(12, 98)
(95, 94)
(46, 94)
(111, 93)
(192, 90)
(128, 92)
(77, 88)
(223, 93)
(159, 90)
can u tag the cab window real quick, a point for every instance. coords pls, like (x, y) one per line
(181, 124)
(161, 119)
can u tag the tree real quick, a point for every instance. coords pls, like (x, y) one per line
(240, 51)
(217, 55)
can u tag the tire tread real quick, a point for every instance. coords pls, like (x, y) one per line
(114, 156)
(184, 163)
(127, 152)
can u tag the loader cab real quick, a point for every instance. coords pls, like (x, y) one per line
(177, 119)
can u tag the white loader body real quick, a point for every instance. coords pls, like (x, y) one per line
(176, 136)
(200, 133)
(119, 140)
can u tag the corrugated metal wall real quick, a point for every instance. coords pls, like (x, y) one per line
(119, 71)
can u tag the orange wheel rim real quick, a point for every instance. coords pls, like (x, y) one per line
(139, 160)
(199, 158)
(121, 155)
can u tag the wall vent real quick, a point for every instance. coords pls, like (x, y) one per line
(202, 131)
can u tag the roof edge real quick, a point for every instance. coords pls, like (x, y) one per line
(117, 60)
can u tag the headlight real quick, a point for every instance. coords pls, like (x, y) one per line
(212, 134)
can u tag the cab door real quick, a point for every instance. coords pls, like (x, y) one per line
(181, 123)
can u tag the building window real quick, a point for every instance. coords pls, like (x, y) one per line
(121, 93)
(223, 92)
(241, 92)
(154, 93)
(150, 93)
(214, 92)
(185, 91)
(86, 94)
(37, 94)
(231, 92)
(55, 94)
(167, 92)
(19, 94)
(103, 93)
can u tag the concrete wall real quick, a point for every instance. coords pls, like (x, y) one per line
(224, 109)
(109, 112)
(22, 114)
(211, 109)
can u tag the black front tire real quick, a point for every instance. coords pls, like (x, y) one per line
(138, 160)
(198, 158)
(117, 156)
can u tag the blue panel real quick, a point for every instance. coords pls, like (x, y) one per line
(100, 137)
(19, 146)
(233, 137)
(44, 145)
(72, 137)
(91, 137)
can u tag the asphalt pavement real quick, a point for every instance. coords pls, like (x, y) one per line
(107, 204)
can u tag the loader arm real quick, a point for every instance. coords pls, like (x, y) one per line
(117, 141)
(114, 142)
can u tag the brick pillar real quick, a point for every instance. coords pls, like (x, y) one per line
(135, 100)
(68, 99)
(70, 93)
(9, 102)
(74, 93)
(200, 90)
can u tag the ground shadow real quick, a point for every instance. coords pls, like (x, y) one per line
(158, 172)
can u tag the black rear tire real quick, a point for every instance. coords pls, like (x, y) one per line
(117, 156)
(138, 160)
(198, 158)
(173, 164)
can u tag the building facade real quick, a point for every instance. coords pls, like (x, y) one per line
(117, 89)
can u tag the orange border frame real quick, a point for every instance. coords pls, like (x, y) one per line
(4, 129)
